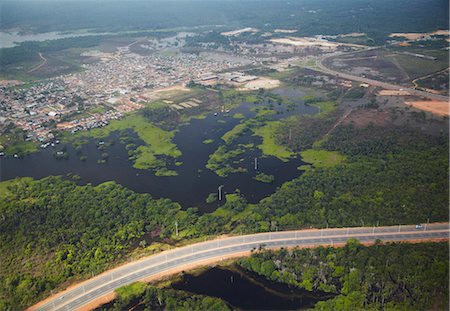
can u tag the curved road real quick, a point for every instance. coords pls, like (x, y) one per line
(385, 85)
(97, 287)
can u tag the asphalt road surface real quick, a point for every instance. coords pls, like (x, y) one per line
(385, 85)
(105, 283)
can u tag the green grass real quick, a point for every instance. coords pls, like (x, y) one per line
(158, 142)
(232, 197)
(212, 197)
(235, 132)
(165, 172)
(208, 141)
(128, 292)
(325, 106)
(417, 67)
(269, 146)
(219, 161)
(322, 158)
(238, 116)
(97, 109)
(264, 178)
(8, 184)
(263, 112)
(21, 148)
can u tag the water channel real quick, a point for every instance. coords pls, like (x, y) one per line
(246, 290)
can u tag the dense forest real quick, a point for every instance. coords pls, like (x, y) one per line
(28, 51)
(378, 277)
(310, 17)
(54, 230)
(149, 297)
(392, 175)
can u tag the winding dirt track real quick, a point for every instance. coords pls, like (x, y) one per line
(44, 62)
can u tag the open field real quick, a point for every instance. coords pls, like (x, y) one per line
(418, 36)
(400, 65)
(435, 107)
(297, 41)
(322, 158)
(260, 83)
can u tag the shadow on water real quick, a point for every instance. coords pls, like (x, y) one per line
(246, 290)
(194, 181)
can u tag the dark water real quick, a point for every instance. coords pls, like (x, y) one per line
(245, 290)
(194, 181)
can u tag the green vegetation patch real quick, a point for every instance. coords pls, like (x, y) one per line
(21, 148)
(154, 298)
(238, 116)
(208, 141)
(264, 178)
(131, 291)
(413, 276)
(325, 106)
(232, 197)
(212, 197)
(355, 93)
(219, 161)
(322, 158)
(165, 172)
(8, 185)
(105, 222)
(158, 142)
(269, 145)
(234, 133)
(12, 141)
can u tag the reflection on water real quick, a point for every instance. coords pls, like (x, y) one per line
(246, 290)
(193, 183)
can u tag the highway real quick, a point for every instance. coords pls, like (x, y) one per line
(384, 85)
(99, 286)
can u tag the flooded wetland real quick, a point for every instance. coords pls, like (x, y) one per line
(197, 141)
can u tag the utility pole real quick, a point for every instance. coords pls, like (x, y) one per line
(220, 192)
(256, 164)
(290, 134)
(176, 227)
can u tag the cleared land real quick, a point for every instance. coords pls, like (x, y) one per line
(417, 36)
(261, 83)
(437, 107)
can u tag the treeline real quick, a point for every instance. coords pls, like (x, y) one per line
(300, 132)
(149, 297)
(28, 51)
(409, 187)
(379, 277)
(53, 230)
(310, 17)
(376, 141)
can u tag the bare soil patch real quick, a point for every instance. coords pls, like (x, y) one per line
(393, 93)
(260, 83)
(440, 108)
